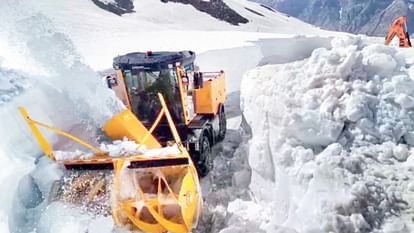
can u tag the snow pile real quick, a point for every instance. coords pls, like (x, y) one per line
(50, 63)
(120, 148)
(68, 155)
(42, 71)
(165, 151)
(125, 147)
(331, 140)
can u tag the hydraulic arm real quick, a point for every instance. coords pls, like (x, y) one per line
(399, 28)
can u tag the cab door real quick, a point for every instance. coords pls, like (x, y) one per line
(116, 82)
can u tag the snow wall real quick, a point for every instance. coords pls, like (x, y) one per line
(331, 142)
(40, 70)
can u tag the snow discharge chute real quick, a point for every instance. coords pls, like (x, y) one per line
(154, 189)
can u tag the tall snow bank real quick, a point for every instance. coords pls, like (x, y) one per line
(74, 84)
(330, 138)
(41, 70)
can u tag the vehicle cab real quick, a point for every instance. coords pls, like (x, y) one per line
(195, 99)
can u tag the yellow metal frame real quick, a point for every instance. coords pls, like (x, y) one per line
(44, 144)
(188, 199)
(183, 94)
(121, 75)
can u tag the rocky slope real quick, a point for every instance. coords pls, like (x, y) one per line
(118, 7)
(371, 17)
(216, 8)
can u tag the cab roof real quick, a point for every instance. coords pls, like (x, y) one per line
(153, 60)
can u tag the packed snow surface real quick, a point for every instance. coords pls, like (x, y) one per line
(332, 142)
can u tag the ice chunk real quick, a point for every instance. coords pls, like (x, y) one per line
(68, 155)
(380, 64)
(123, 147)
(396, 226)
(358, 106)
(401, 152)
(359, 222)
(312, 129)
(405, 101)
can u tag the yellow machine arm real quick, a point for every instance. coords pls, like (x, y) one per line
(399, 28)
(43, 143)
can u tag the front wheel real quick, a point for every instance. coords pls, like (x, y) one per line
(203, 156)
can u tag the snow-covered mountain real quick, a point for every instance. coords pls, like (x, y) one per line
(216, 8)
(156, 20)
(365, 17)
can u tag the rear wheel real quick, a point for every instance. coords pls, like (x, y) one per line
(203, 163)
(222, 124)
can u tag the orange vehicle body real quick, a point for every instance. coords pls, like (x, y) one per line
(213, 93)
(399, 29)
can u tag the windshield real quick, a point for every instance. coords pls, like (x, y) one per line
(143, 87)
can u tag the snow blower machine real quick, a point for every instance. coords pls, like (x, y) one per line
(154, 187)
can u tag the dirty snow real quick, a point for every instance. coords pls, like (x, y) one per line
(331, 144)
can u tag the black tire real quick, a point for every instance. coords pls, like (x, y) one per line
(222, 124)
(203, 163)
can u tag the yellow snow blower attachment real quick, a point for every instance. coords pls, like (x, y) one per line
(155, 192)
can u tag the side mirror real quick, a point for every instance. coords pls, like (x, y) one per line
(198, 80)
